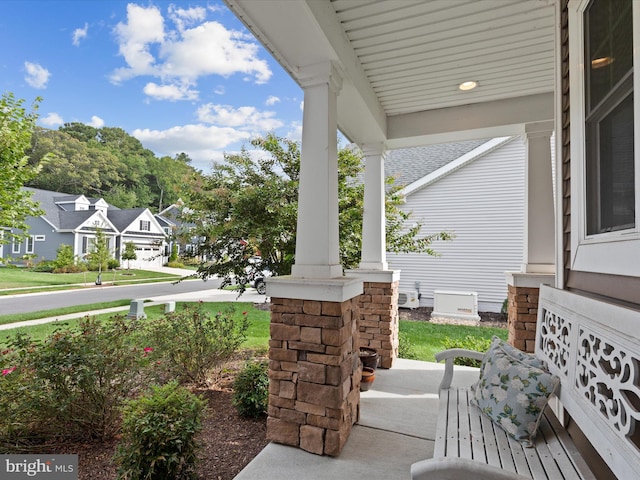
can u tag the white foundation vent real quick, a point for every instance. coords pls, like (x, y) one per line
(408, 299)
(458, 305)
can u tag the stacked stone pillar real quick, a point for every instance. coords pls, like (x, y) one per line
(523, 314)
(314, 374)
(379, 321)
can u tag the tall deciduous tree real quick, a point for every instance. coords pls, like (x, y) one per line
(16, 128)
(248, 206)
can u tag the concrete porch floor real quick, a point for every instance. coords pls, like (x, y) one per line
(397, 426)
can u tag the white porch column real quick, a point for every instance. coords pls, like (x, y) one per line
(317, 242)
(374, 255)
(539, 248)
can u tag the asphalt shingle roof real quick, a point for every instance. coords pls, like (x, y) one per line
(407, 165)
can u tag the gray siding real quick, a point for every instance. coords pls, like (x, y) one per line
(44, 250)
(483, 204)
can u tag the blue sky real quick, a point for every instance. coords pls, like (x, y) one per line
(179, 76)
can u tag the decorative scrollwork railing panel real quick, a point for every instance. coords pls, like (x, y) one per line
(555, 340)
(608, 376)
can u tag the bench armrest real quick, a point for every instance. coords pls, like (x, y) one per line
(453, 468)
(449, 356)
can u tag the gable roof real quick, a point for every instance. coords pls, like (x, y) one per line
(407, 165)
(121, 219)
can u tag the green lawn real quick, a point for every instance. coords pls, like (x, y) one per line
(257, 335)
(22, 278)
(426, 338)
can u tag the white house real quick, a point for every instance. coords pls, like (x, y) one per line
(478, 196)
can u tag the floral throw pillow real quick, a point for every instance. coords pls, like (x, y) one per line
(528, 358)
(513, 394)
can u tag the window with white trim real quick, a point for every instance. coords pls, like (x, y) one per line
(85, 245)
(15, 246)
(29, 245)
(604, 156)
(145, 225)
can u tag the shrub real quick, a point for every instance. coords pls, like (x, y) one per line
(251, 390)
(174, 253)
(175, 264)
(158, 435)
(470, 343)
(76, 380)
(113, 263)
(193, 343)
(46, 266)
(406, 349)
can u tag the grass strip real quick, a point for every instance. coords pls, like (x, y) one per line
(57, 312)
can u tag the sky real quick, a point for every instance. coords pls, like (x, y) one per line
(181, 76)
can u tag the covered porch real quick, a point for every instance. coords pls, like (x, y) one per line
(397, 427)
(391, 75)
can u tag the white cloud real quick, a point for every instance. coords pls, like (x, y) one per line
(184, 17)
(295, 133)
(79, 34)
(51, 120)
(144, 27)
(202, 143)
(37, 76)
(170, 92)
(96, 122)
(195, 48)
(246, 118)
(211, 49)
(272, 100)
(219, 90)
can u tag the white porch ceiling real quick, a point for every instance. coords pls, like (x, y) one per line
(402, 62)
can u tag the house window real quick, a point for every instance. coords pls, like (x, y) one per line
(605, 172)
(610, 192)
(29, 245)
(85, 245)
(145, 225)
(15, 247)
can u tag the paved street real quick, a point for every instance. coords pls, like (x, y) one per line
(31, 302)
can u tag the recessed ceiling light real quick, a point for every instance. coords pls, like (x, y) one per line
(468, 85)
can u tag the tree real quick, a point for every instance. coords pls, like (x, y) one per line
(16, 128)
(100, 254)
(247, 207)
(129, 253)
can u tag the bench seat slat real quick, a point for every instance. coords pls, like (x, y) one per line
(464, 435)
(464, 432)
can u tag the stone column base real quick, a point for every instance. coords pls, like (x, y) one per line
(314, 374)
(524, 290)
(379, 320)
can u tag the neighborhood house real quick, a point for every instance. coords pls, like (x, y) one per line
(75, 219)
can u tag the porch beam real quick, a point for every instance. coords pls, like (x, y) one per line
(496, 118)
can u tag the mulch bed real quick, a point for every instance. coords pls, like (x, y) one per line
(228, 441)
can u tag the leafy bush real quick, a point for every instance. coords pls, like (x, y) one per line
(158, 435)
(46, 266)
(193, 343)
(470, 343)
(174, 253)
(175, 264)
(251, 390)
(406, 349)
(74, 382)
(66, 262)
(112, 264)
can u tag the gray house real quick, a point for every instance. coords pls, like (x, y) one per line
(74, 219)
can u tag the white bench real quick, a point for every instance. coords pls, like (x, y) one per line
(594, 347)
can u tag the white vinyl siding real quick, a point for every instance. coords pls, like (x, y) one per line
(483, 204)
